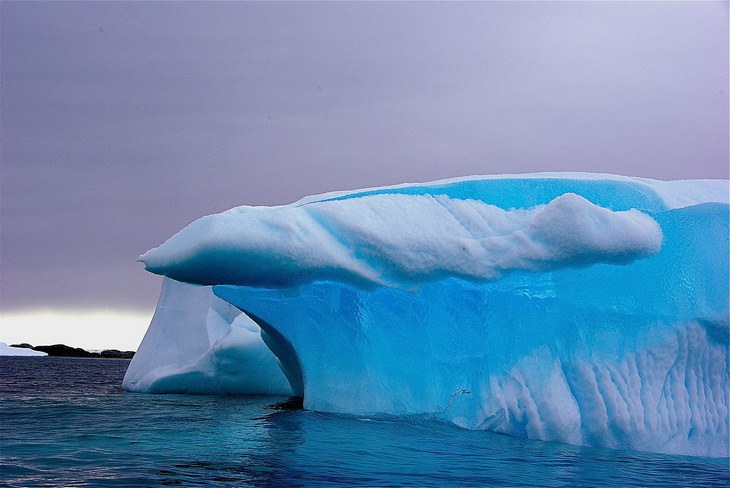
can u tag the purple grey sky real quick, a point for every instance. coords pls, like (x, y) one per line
(123, 122)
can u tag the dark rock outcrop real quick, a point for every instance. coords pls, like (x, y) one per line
(62, 350)
(114, 353)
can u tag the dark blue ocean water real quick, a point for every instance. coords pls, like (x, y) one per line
(66, 422)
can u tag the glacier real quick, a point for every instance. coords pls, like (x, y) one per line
(571, 307)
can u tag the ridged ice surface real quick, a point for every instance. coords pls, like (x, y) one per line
(585, 309)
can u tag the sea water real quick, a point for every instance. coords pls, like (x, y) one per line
(67, 422)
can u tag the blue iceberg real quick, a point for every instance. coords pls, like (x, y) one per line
(579, 308)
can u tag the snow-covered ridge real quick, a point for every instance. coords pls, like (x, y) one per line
(399, 240)
(672, 193)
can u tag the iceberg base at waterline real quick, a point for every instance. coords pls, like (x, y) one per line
(587, 309)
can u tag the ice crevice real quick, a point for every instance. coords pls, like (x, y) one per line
(285, 354)
(588, 309)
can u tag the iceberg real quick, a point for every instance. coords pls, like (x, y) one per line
(6, 350)
(579, 308)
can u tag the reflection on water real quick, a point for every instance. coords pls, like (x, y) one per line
(67, 422)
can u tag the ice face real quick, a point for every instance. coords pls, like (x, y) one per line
(198, 343)
(576, 308)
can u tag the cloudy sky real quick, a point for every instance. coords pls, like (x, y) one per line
(123, 122)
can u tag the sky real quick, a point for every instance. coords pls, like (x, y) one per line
(120, 123)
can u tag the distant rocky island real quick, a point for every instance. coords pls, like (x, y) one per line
(62, 350)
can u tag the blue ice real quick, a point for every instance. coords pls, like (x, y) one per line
(587, 309)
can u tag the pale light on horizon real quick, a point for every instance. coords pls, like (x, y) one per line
(88, 329)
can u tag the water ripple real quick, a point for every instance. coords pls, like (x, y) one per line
(66, 422)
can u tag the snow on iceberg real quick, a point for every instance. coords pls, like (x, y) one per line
(6, 350)
(399, 241)
(588, 309)
(198, 343)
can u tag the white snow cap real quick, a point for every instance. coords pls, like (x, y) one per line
(400, 241)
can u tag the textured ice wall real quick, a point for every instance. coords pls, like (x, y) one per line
(608, 325)
(198, 343)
